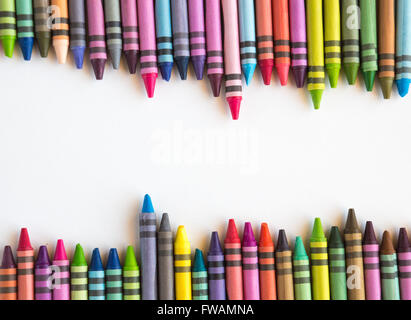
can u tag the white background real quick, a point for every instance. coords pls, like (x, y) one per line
(78, 155)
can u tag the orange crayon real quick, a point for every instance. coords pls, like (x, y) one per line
(8, 276)
(266, 265)
(265, 44)
(60, 29)
(25, 267)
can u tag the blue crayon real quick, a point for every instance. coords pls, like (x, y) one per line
(77, 15)
(248, 51)
(114, 277)
(164, 38)
(96, 284)
(25, 27)
(403, 47)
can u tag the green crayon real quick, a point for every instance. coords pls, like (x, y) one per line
(78, 273)
(131, 276)
(390, 285)
(301, 271)
(199, 275)
(8, 26)
(336, 257)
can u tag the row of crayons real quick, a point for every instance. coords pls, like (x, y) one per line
(310, 37)
(348, 267)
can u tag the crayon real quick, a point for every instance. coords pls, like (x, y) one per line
(251, 279)
(148, 58)
(181, 43)
(199, 277)
(353, 258)
(60, 29)
(298, 42)
(41, 30)
(197, 36)
(61, 275)
(25, 27)
(165, 260)
(371, 251)
(43, 288)
(216, 273)
(369, 56)
(233, 265)
(8, 276)
(114, 283)
(112, 18)
(316, 74)
(96, 37)
(332, 40)
(233, 84)
(404, 264)
(301, 271)
(350, 25)
(284, 269)
(130, 33)
(8, 26)
(182, 265)
(215, 66)
(265, 44)
(164, 38)
(25, 267)
(77, 13)
(78, 272)
(390, 285)
(96, 279)
(131, 276)
(336, 255)
(148, 250)
(319, 262)
(246, 21)
(266, 264)
(403, 49)
(281, 39)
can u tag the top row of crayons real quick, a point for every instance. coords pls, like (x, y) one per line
(300, 34)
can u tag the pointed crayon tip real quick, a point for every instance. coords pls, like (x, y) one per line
(147, 205)
(98, 67)
(60, 253)
(131, 58)
(165, 69)
(234, 104)
(78, 54)
(248, 235)
(351, 71)
(369, 234)
(369, 78)
(199, 264)
(335, 239)
(248, 70)
(130, 262)
(43, 258)
(8, 46)
(61, 48)
(300, 74)
(96, 264)
(282, 71)
(198, 65)
(182, 65)
(115, 54)
(215, 82)
(26, 46)
(181, 235)
(113, 261)
(232, 234)
(266, 69)
(44, 46)
(316, 97)
(387, 246)
(165, 223)
(215, 246)
(333, 74)
(351, 226)
(24, 241)
(318, 232)
(299, 249)
(403, 241)
(79, 259)
(8, 259)
(386, 87)
(265, 236)
(150, 83)
(282, 242)
(403, 86)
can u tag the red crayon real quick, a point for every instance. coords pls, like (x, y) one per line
(25, 267)
(233, 265)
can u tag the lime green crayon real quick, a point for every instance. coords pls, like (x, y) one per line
(336, 256)
(131, 276)
(8, 26)
(78, 273)
(332, 40)
(301, 271)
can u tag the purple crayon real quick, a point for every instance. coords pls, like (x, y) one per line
(404, 264)
(197, 36)
(42, 275)
(216, 274)
(251, 281)
(130, 33)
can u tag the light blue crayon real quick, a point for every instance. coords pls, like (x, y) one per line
(403, 47)
(96, 284)
(248, 51)
(164, 38)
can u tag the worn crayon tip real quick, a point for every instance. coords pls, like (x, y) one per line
(113, 261)
(147, 205)
(266, 68)
(182, 65)
(43, 258)
(8, 259)
(351, 226)
(61, 49)
(403, 86)
(333, 72)
(369, 78)
(387, 246)
(299, 249)
(24, 241)
(165, 223)
(300, 74)
(198, 65)
(26, 46)
(79, 259)
(403, 241)
(215, 246)
(181, 235)
(78, 54)
(265, 236)
(234, 104)
(115, 54)
(335, 239)
(98, 67)
(386, 87)
(369, 234)
(198, 264)
(8, 46)
(96, 263)
(318, 232)
(316, 97)
(215, 82)
(248, 70)
(60, 253)
(132, 59)
(282, 71)
(351, 71)
(165, 69)
(282, 242)
(150, 83)
(232, 233)
(130, 262)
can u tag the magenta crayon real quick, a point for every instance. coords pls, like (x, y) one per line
(197, 36)
(404, 264)
(42, 275)
(148, 58)
(233, 265)
(371, 251)
(8, 276)
(215, 66)
(25, 267)
(251, 279)
(61, 273)
(130, 33)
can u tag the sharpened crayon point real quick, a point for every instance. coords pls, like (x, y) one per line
(165, 223)
(333, 74)
(8, 46)
(403, 241)
(199, 264)
(215, 83)
(335, 237)
(403, 86)
(282, 242)
(387, 246)
(351, 71)
(165, 69)
(386, 87)
(266, 69)
(181, 235)
(182, 65)
(61, 49)
(96, 263)
(130, 260)
(299, 249)
(316, 97)
(369, 78)
(351, 225)
(113, 261)
(234, 103)
(44, 46)
(198, 65)
(98, 68)
(248, 70)
(318, 232)
(78, 54)
(8, 259)
(265, 236)
(131, 58)
(147, 205)
(215, 245)
(115, 54)
(282, 71)
(232, 233)
(26, 46)
(60, 253)
(150, 83)
(24, 241)
(300, 74)
(43, 258)
(79, 259)
(369, 234)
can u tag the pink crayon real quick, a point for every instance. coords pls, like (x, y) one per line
(61, 276)
(148, 53)
(197, 36)
(404, 264)
(130, 33)
(250, 265)
(215, 66)
(233, 84)
(371, 264)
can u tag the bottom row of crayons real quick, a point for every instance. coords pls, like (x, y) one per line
(344, 267)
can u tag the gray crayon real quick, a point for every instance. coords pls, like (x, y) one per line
(165, 260)
(113, 30)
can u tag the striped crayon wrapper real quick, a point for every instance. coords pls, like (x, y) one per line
(8, 26)
(197, 36)
(114, 284)
(41, 30)
(403, 49)
(389, 269)
(199, 277)
(284, 268)
(112, 18)
(404, 264)
(130, 33)
(336, 254)
(8, 276)
(78, 273)
(25, 267)
(60, 29)
(43, 276)
(216, 274)
(131, 276)
(251, 280)
(372, 277)
(165, 260)
(182, 265)
(181, 43)
(96, 279)
(77, 13)
(164, 36)
(301, 272)
(266, 265)
(61, 274)
(233, 265)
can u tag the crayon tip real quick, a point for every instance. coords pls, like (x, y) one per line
(369, 234)
(181, 235)
(282, 71)
(44, 46)
(96, 263)
(386, 87)
(300, 74)
(60, 253)
(131, 58)
(234, 103)
(403, 86)
(8, 46)
(61, 48)
(165, 223)
(147, 205)
(248, 235)
(165, 69)
(369, 78)
(198, 264)
(130, 262)
(115, 54)
(318, 232)
(351, 71)
(78, 54)
(182, 65)
(333, 72)
(79, 259)
(265, 236)
(387, 246)
(232, 233)
(113, 261)
(403, 242)
(282, 242)
(98, 67)
(215, 82)
(248, 70)
(351, 226)
(150, 83)
(266, 68)
(8, 259)
(26, 46)
(335, 240)
(215, 245)
(24, 241)
(299, 249)
(43, 258)
(198, 65)
(316, 97)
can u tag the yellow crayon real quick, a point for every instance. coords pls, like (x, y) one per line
(332, 40)
(182, 265)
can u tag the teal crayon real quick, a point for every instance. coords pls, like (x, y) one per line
(389, 270)
(199, 277)
(301, 272)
